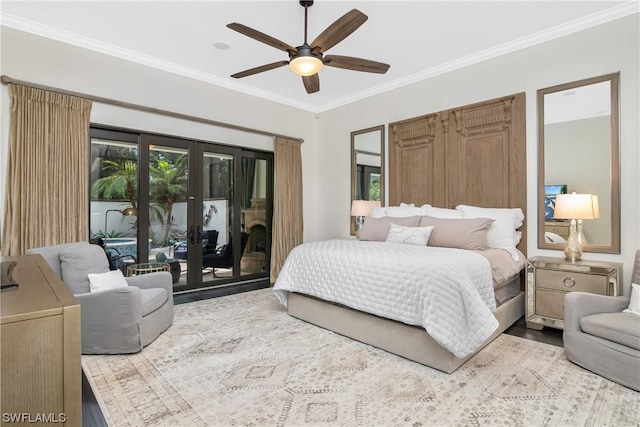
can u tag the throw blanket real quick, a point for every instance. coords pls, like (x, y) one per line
(449, 292)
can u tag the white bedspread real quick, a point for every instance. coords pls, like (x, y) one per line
(449, 292)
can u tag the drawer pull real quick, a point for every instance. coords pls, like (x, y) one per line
(569, 282)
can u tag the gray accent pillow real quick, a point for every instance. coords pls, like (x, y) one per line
(76, 262)
(458, 233)
(376, 229)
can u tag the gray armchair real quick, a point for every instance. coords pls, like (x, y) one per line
(114, 321)
(601, 338)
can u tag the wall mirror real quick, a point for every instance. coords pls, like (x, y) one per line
(578, 152)
(367, 166)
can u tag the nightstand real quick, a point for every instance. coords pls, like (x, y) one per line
(549, 279)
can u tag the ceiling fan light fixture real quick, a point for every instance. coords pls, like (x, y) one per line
(305, 65)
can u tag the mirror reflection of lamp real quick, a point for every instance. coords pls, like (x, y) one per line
(361, 209)
(124, 212)
(576, 207)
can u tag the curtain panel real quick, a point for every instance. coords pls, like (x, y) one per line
(47, 195)
(287, 209)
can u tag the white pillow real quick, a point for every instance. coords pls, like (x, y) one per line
(402, 211)
(104, 281)
(502, 233)
(634, 302)
(409, 235)
(378, 212)
(441, 212)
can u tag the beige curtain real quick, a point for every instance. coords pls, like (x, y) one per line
(47, 192)
(287, 209)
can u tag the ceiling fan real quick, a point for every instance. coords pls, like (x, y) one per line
(306, 60)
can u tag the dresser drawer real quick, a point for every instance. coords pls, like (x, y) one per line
(572, 281)
(550, 304)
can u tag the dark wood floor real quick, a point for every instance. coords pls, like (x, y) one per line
(92, 415)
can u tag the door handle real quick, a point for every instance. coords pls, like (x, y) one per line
(192, 237)
(200, 235)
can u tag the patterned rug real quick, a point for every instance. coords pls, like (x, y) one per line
(241, 360)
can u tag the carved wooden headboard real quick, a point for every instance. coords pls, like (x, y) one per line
(474, 155)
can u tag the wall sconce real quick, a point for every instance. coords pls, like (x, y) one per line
(124, 212)
(576, 207)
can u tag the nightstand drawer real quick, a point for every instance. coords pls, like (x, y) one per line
(572, 281)
(550, 304)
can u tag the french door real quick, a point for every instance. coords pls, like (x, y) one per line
(205, 209)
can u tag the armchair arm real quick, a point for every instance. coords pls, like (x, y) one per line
(110, 321)
(580, 304)
(160, 279)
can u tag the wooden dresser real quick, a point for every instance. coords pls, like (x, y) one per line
(40, 348)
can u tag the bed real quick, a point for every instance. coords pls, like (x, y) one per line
(473, 155)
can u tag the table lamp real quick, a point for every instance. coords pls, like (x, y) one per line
(361, 209)
(575, 207)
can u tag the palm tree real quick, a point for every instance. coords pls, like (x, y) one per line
(121, 183)
(167, 185)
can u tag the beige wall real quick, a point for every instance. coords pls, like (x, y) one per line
(597, 51)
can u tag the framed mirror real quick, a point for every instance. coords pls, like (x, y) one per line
(367, 166)
(578, 151)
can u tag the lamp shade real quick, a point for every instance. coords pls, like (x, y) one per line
(363, 207)
(576, 206)
(129, 212)
(305, 65)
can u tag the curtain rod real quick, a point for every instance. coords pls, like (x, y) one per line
(6, 80)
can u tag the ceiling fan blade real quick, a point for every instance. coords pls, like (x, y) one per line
(311, 83)
(261, 37)
(259, 69)
(339, 30)
(356, 64)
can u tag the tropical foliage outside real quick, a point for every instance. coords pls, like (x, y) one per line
(167, 186)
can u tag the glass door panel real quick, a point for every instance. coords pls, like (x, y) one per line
(217, 192)
(114, 195)
(169, 227)
(254, 215)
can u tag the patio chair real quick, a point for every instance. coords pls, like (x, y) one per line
(223, 257)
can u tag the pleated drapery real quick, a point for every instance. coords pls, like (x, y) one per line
(287, 209)
(47, 196)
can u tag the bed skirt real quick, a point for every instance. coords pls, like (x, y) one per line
(411, 342)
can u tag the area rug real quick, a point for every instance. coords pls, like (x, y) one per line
(240, 360)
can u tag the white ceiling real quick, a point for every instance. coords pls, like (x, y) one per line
(419, 39)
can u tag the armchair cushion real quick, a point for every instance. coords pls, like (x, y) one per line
(623, 328)
(76, 262)
(152, 299)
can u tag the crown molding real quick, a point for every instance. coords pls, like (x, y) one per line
(611, 14)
